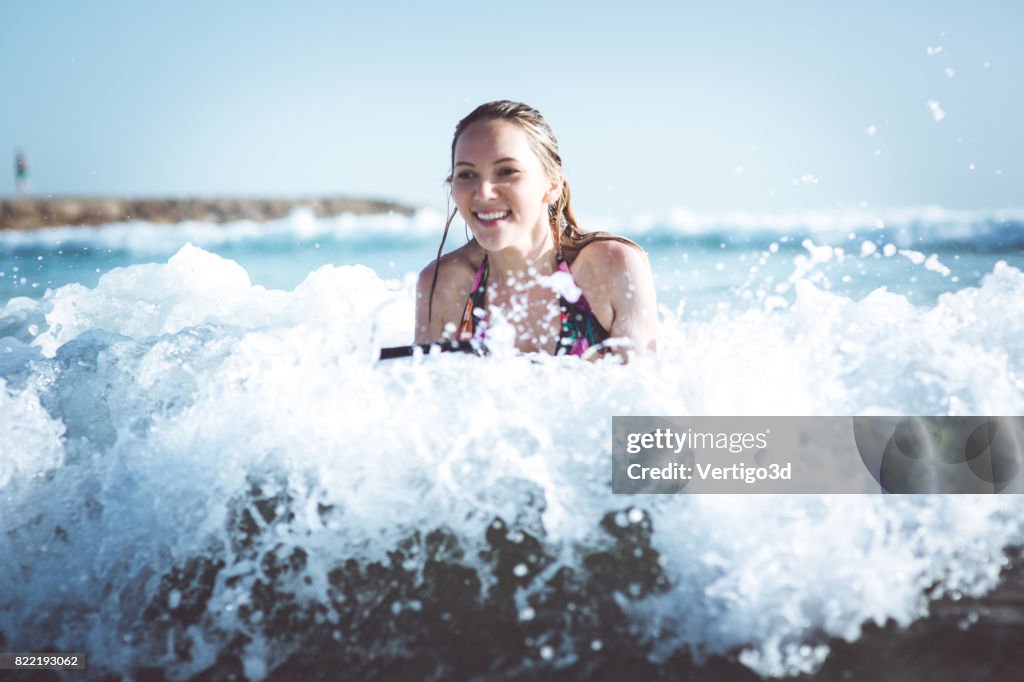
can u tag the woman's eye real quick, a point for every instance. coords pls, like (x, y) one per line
(463, 175)
(507, 171)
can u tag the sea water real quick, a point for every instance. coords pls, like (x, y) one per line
(202, 464)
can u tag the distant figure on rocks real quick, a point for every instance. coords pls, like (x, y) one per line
(21, 173)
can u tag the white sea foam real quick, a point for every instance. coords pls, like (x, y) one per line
(907, 226)
(137, 417)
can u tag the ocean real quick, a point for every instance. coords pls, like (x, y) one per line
(204, 472)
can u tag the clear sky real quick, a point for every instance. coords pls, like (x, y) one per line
(713, 106)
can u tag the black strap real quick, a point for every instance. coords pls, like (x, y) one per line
(472, 347)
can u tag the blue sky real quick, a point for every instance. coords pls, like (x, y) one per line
(730, 106)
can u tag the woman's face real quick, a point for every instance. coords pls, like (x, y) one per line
(501, 187)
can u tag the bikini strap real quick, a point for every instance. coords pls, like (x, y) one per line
(476, 300)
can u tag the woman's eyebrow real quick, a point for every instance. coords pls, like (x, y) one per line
(501, 160)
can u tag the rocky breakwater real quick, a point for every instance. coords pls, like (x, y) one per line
(29, 213)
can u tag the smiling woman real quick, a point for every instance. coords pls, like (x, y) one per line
(562, 291)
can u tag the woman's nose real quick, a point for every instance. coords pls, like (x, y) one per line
(485, 189)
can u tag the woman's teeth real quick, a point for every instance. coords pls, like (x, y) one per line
(493, 215)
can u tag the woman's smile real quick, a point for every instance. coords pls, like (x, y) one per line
(491, 218)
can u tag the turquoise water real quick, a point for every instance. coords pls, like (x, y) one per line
(707, 267)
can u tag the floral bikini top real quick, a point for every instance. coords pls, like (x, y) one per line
(579, 331)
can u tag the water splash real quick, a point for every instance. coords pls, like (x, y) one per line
(198, 471)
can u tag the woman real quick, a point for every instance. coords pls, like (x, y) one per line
(561, 290)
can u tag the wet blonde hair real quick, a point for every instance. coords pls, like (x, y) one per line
(565, 230)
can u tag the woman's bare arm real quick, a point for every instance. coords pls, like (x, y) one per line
(616, 279)
(454, 277)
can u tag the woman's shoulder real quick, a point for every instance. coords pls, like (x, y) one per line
(455, 266)
(615, 276)
(442, 289)
(454, 274)
(607, 254)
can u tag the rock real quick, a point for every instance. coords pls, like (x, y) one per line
(29, 213)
